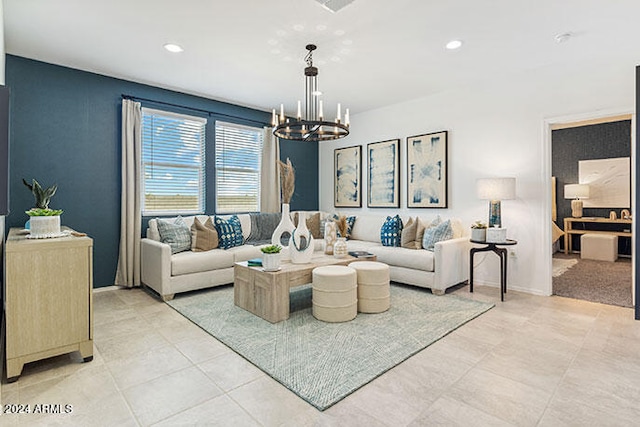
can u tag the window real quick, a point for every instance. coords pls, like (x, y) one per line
(238, 162)
(172, 163)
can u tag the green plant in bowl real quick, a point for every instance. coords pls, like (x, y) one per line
(479, 224)
(271, 249)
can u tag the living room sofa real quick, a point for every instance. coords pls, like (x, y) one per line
(167, 274)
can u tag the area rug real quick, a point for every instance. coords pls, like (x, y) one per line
(325, 362)
(560, 266)
(596, 281)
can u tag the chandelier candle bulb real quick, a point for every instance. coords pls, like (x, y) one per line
(281, 113)
(274, 119)
(338, 118)
(320, 110)
(346, 117)
(299, 110)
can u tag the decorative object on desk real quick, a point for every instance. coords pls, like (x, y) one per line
(496, 235)
(287, 186)
(495, 190)
(271, 257)
(330, 237)
(254, 262)
(577, 192)
(43, 221)
(361, 254)
(427, 170)
(625, 214)
(340, 248)
(613, 215)
(301, 242)
(479, 231)
(347, 181)
(314, 126)
(383, 177)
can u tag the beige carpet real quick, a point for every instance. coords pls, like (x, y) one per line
(596, 281)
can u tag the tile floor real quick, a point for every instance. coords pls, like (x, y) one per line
(546, 361)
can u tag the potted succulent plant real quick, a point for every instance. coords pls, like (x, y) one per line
(271, 257)
(479, 231)
(43, 221)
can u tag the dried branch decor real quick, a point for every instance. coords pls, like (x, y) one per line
(287, 180)
(341, 225)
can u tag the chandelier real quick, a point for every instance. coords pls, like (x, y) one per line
(314, 126)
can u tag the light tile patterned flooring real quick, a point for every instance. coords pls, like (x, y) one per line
(546, 361)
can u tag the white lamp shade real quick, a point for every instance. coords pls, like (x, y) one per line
(496, 188)
(576, 191)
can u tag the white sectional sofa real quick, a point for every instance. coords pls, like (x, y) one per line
(168, 274)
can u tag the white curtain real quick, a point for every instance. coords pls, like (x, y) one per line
(128, 273)
(269, 176)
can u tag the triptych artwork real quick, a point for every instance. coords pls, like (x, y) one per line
(426, 173)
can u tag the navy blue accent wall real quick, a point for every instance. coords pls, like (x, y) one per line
(65, 130)
(304, 158)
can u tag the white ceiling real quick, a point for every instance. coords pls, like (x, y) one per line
(370, 54)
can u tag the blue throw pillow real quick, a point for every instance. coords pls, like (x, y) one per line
(176, 234)
(391, 231)
(433, 235)
(229, 232)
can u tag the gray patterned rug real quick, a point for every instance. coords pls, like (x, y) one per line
(325, 362)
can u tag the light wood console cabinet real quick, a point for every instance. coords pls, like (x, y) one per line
(48, 298)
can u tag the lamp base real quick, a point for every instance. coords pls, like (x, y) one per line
(576, 208)
(495, 219)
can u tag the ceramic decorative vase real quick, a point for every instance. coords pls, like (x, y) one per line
(271, 262)
(301, 242)
(479, 234)
(340, 248)
(284, 227)
(330, 237)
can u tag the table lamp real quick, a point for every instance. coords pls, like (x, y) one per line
(495, 190)
(576, 192)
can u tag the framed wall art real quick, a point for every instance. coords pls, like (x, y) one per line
(347, 188)
(383, 183)
(427, 170)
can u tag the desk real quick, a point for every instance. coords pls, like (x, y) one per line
(569, 230)
(502, 253)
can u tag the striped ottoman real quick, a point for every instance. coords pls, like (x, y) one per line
(374, 292)
(334, 293)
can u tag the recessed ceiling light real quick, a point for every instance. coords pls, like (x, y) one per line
(174, 48)
(564, 37)
(454, 44)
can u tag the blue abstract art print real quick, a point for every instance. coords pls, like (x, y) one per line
(427, 170)
(347, 167)
(384, 177)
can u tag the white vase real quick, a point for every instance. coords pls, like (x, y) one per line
(271, 262)
(340, 248)
(330, 237)
(285, 226)
(479, 234)
(44, 226)
(301, 242)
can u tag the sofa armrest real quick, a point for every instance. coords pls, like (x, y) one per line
(451, 262)
(155, 268)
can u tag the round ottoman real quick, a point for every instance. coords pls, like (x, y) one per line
(334, 293)
(374, 293)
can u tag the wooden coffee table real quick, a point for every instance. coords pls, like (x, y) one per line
(266, 294)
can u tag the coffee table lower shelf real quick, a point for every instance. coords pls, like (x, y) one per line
(266, 294)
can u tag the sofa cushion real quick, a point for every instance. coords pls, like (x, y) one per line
(367, 227)
(229, 232)
(245, 252)
(263, 225)
(437, 234)
(195, 262)
(204, 237)
(402, 257)
(390, 231)
(175, 233)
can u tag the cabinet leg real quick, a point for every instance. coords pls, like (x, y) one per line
(13, 379)
(87, 359)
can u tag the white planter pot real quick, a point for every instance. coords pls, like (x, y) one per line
(271, 262)
(479, 234)
(44, 226)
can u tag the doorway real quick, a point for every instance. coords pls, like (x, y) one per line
(591, 203)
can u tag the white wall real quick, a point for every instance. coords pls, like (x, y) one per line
(495, 129)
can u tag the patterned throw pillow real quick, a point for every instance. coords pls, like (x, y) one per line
(391, 231)
(437, 234)
(176, 234)
(204, 237)
(229, 232)
(350, 221)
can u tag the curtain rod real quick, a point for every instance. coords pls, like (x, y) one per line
(209, 113)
